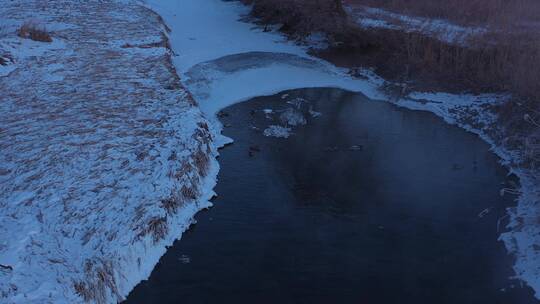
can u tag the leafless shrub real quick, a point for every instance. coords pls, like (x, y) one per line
(34, 31)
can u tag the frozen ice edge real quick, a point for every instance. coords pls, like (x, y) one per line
(204, 31)
(182, 221)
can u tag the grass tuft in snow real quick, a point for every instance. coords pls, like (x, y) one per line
(35, 31)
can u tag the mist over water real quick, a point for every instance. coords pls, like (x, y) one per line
(363, 202)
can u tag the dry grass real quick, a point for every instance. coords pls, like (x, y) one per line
(201, 161)
(99, 279)
(34, 31)
(172, 204)
(202, 134)
(190, 193)
(83, 291)
(158, 228)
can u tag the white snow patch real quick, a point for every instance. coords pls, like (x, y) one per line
(277, 131)
(370, 17)
(17, 50)
(523, 238)
(292, 117)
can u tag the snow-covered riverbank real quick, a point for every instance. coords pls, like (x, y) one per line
(224, 60)
(104, 156)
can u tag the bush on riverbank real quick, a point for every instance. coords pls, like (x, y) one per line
(301, 17)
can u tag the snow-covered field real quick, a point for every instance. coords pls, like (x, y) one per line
(224, 60)
(105, 158)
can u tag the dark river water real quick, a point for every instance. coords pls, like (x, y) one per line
(366, 203)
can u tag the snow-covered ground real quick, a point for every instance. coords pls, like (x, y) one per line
(224, 60)
(104, 156)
